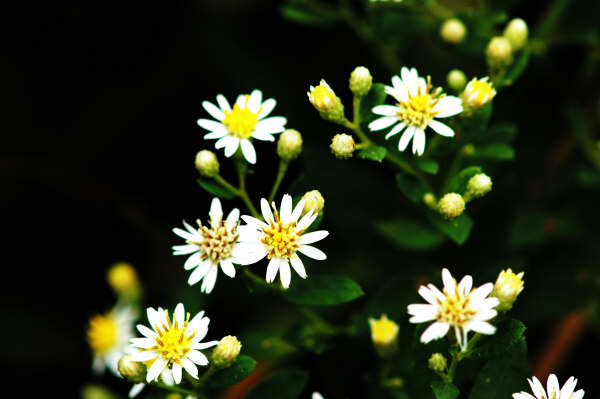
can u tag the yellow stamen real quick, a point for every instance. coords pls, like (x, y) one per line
(241, 122)
(455, 309)
(217, 242)
(479, 92)
(172, 342)
(418, 110)
(281, 239)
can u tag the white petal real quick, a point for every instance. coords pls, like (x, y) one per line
(410, 81)
(228, 268)
(272, 269)
(523, 395)
(481, 292)
(306, 220)
(385, 110)
(145, 331)
(190, 367)
(177, 373)
(553, 388)
(317, 395)
(210, 125)
(223, 103)
(434, 331)
(428, 295)
(266, 211)
(143, 343)
(298, 265)
(208, 283)
(395, 130)
(254, 101)
(232, 219)
(481, 327)
(213, 110)
(465, 285)
(297, 211)
(286, 209)
(216, 212)
(248, 151)
(144, 356)
(156, 368)
(315, 236)
(441, 129)
(419, 142)
(186, 235)
(285, 274)
(382, 123)
(250, 257)
(263, 136)
(184, 249)
(179, 315)
(204, 345)
(199, 273)
(136, 389)
(241, 101)
(448, 106)
(273, 124)
(537, 388)
(267, 107)
(312, 252)
(197, 357)
(422, 313)
(568, 388)
(448, 280)
(422, 85)
(485, 315)
(400, 89)
(232, 146)
(254, 221)
(193, 261)
(217, 134)
(406, 137)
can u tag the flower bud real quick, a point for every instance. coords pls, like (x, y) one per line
(360, 81)
(437, 362)
(132, 371)
(451, 205)
(326, 102)
(516, 32)
(384, 334)
(453, 31)
(430, 200)
(289, 145)
(207, 163)
(507, 287)
(478, 93)
(122, 277)
(478, 186)
(226, 352)
(456, 79)
(499, 52)
(313, 200)
(342, 146)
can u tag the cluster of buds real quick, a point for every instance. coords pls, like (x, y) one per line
(500, 49)
(289, 145)
(384, 334)
(452, 205)
(313, 201)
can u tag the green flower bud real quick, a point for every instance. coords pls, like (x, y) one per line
(289, 145)
(499, 52)
(360, 81)
(207, 163)
(132, 371)
(437, 362)
(326, 102)
(516, 32)
(453, 31)
(451, 205)
(430, 200)
(226, 352)
(478, 186)
(313, 200)
(456, 79)
(342, 146)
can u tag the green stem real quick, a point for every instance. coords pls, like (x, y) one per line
(240, 192)
(241, 169)
(174, 388)
(283, 165)
(211, 370)
(453, 365)
(550, 18)
(322, 324)
(258, 280)
(453, 169)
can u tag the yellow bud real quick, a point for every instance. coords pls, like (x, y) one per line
(132, 371)
(96, 392)
(326, 102)
(313, 200)
(516, 32)
(499, 52)
(384, 334)
(124, 281)
(437, 362)
(507, 287)
(451, 205)
(226, 352)
(342, 146)
(207, 163)
(430, 200)
(478, 93)
(360, 81)
(456, 79)
(453, 31)
(289, 145)
(478, 186)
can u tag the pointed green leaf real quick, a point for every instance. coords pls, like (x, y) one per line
(323, 290)
(443, 390)
(499, 151)
(216, 189)
(373, 153)
(238, 371)
(409, 234)
(308, 16)
(427, 165)
(457, 229)
(412, 188)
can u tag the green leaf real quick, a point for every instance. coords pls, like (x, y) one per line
(509, 332)
(238, 371)
(457, 229)
(501, 132)
(375, 96)
(499, 151)
(459, 182)
(427, 165)
(443, 390)
(409, 234)
(373, 153)
(323, 290)
(307, 16)
(515, 69)
(412, 188)
(215, 188)
(282, 384)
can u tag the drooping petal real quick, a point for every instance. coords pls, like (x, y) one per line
(434, 331)
(232, 146)
(228, 268)
(441, 129)
(395, 130)
(312, 252)
(248, 151)
(208, 283)
(156, 368)
(382, 123)
(190, 367)
(298, 265)
(177, 373)
(419, 142)
(448, 106)
(406, 137)
(285, 274)
(272, 269)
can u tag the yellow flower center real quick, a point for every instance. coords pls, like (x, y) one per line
(172, 343)
(322, 97)
(509, 284)
(281, 239)
(241, 122)
(102, 333)
(479, 92)
(217, 242)
(418, 110)
(383, 331)
(455, 309)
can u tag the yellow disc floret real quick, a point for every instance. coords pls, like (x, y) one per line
(217, 241)
(455, 309)
(282, 240)
(102, 333)
(241, 122)
(418, 110)
(478, 93)
(172, 342)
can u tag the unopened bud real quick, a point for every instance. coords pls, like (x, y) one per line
(96, 392)
(516, 32)
(313, 201)
(456, 79)
(499, 52)
(507, 287)
(478, 93)
(430, 200)
(384, 334)
(437, 362)
(132, 371)
(342, 146)
(326, 102)
(121, 277)
(207, 163)
(478, 186)
(453, 31)
(360, 81)
(289, 145)
(226, 352)
(451, 205)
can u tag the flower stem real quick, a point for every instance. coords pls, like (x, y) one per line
(211, 370)
(174, 388)
(453, 169)
(242, 193)
(283, 165)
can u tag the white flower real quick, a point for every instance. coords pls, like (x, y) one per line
(553, 392)
(457, 306)
(172, 344)
(210, 246)
(280, 238)
(417, 108)
(246, 120)
(108, 336)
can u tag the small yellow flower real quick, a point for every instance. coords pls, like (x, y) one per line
(478, 93)
(384, 334)
(226, 351)
(507, 287)
(322, 97)
(122, 277)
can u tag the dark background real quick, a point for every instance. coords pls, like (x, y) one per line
(99, 143)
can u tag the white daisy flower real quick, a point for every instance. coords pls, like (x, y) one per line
(210, 246)
(554, 391)
(280, 238)
(108, 336)
(457, 306)
(173, 345)
(236, 126)
(417, 108)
